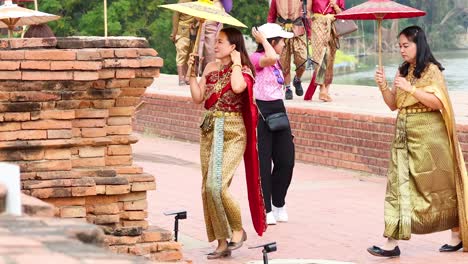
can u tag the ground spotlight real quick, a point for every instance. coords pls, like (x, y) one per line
(179, 214)
(267, 248)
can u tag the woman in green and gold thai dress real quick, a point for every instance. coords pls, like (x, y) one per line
(227, 135)
(427, 180)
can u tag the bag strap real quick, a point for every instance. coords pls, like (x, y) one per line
(325, 10)
(260, 112)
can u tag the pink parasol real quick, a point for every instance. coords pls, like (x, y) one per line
(379, 10)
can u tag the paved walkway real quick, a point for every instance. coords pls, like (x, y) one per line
(334, 214)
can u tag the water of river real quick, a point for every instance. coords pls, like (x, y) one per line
(455, 63)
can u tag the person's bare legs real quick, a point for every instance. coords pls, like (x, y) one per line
(390, 244)
(323, 95)
(455, 236)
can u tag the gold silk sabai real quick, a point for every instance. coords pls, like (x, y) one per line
(427, 179)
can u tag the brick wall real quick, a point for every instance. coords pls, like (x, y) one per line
(66, 108)
(344, 140)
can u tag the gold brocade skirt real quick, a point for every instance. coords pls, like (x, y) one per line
(222, 147)
(421, 196)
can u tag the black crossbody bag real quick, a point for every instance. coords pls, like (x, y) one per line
(276, 122)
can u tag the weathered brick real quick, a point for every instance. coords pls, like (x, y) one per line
(114, 83)
(143, 186)
(128, 170)
(85, 54)
(167, 256)
(33, 96)
(8, 117)
(141, 82)
(91, 113)
(121, 240)
(11, 126)
(72, 211)
(106, 53)
(135, 205)
(119, 130)
(133, 92)
(57, 114)
(61, 65)
(35, 65)
(133, 196)
(49, 175)
(117, 189)
(103, 104)
(90, 123)
(140, 249)
(121, 63)
(45, 75)
(109, 209)
(119, 160)
(106, 74)
(89, 152)
(101, 199)
(156, 234)
(9, 65)
(46, 124)
(111, 180)
(148, 72)
(49, 165)
(50, 55)
(84, 191)
(130, 223)
(88, 162)
(51, 192)
(100, 189)
(151, 62)
(170, 245)
(85, 75)
(133, 215)
(24, 154)
(119, 249)
(10, 75)
(57, 154)
(126, 53)
(62, 133)
(127, 101)
(23, 135)
(93, 132)
(125, 73)
(122, 111)
(59, 202)
(147, 52)
(107, 219)
(116, 150)
(138, 177)
(87, 65)
(12, 54)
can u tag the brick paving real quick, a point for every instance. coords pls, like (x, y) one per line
(334, 214)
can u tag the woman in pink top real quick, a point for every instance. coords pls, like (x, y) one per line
(273, 146)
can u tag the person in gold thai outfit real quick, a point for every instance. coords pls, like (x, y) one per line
(427, 180)
(228, 134)
(182, 24)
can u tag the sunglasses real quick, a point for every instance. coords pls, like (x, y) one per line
(277, 73)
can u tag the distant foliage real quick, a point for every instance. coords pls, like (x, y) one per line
(143, 18)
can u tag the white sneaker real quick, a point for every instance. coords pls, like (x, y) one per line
(270, 219)
(280, 213)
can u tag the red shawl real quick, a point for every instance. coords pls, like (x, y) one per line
(251, 163)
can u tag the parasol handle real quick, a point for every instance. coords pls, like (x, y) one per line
(380, 42)
(35, 5)
(105, 18)
(195, 46)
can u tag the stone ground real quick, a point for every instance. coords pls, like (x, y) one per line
(334, 214)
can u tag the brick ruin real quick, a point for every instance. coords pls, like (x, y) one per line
(66, 108)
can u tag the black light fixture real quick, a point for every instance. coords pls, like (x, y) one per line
(179, 214)
(267, 248)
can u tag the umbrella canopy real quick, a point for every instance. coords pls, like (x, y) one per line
(206, 10)
(379, 10)
(385, 9)
(12, 15)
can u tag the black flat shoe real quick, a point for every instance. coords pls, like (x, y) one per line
(376, 251)
(449, 248)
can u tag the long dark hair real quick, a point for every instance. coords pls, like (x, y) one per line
(272, 41)
(423, 51)
(235, 37)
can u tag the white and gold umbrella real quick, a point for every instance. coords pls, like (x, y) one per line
(11, 15)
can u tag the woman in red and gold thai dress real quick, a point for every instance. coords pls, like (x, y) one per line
(227, 135)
